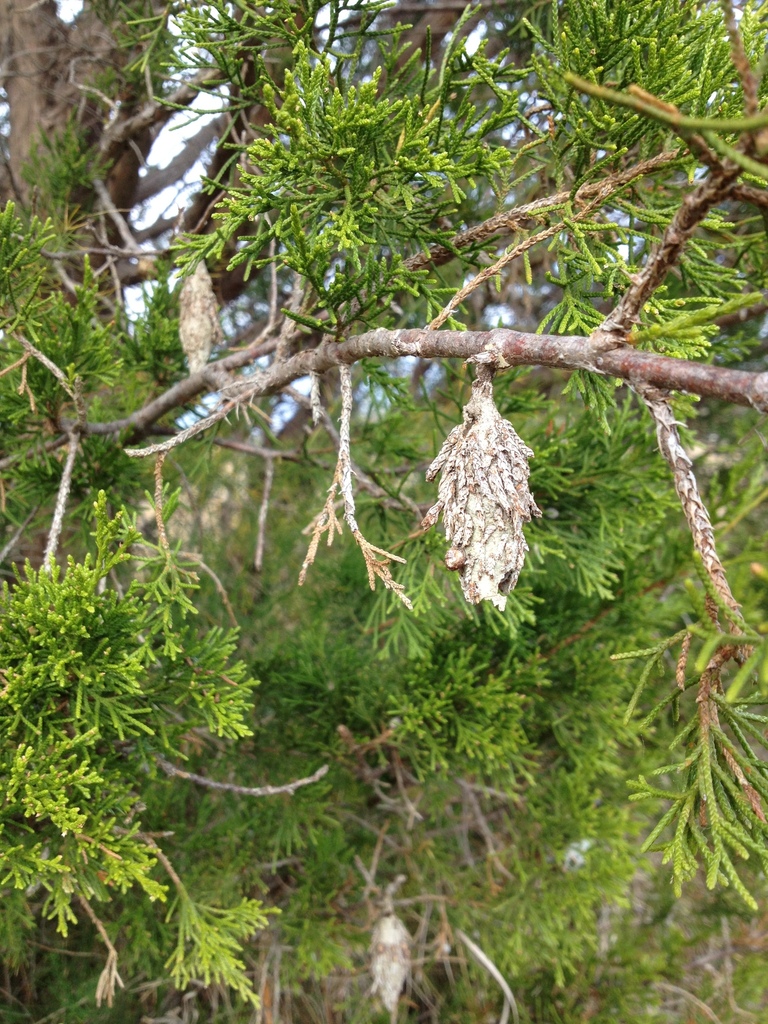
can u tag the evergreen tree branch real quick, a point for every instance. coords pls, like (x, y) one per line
(229, 787)
(505, 259)
(750, 194)
(666, 113)
(694, 208)
(49, 446)
(512, 220)
(713, 189)
(74, 392)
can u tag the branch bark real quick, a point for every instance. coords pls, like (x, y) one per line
(501, 346)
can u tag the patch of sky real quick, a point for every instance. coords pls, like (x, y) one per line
(68, 10)
(499, 314)
(286, 407)
(170, 142)
(475, 37)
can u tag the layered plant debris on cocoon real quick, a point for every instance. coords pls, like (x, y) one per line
(484, 498)
(390, 960)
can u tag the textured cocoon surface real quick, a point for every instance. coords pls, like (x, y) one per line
(484, 498)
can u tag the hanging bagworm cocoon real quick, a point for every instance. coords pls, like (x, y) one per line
(390, 960)
(484, 498)
(199, 328)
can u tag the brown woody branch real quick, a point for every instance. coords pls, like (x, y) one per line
(694, 208)
(505, 347)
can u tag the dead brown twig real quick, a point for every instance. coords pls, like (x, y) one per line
(327, 522)
(109, 977)
(288, 788)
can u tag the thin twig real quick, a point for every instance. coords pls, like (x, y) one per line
(710, 1014)
(14, 366)
(326, 522)
(514, 219)
(344, 463)
(105, 989)
(694, 208)
(288, 787)
(74, 392)
(748, 78)
(315, 401)
(184, 435)
(11, 544)
(116, 217)
(197, 559)
(269, 475)
(485, 829)
(148, 839)
(414, 814)
(162, 536)
(485, 961)
(602, 193)
(289, 454)
(61, 501)
(687, 489)
(364, 481)
(488, 272)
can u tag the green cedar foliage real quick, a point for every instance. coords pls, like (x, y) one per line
(511, 765)
(97, 682)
